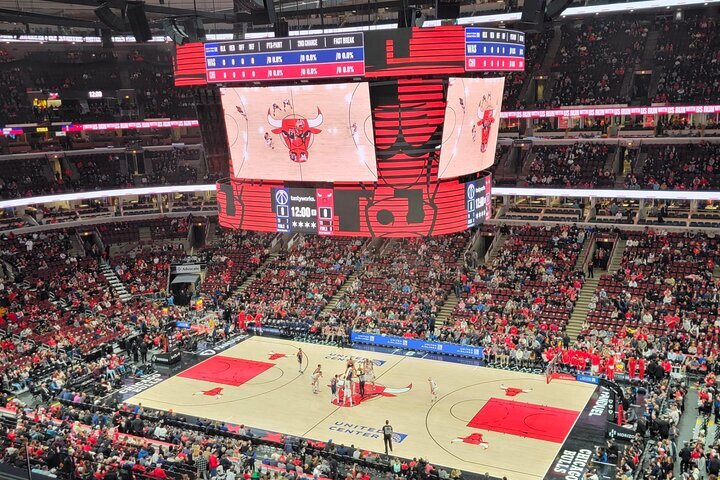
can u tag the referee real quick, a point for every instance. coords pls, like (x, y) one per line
(387, 435)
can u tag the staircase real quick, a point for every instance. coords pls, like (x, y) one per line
(495, 248)
(614, 264)
(654, 81)
(447, 309)
(589, 242)
(114, 281)
(211, 227)
(338, 295)
(552, 50)
(648, 58)
(525, 167)
(243, 286)
(77, 246)
(627, 82)
(579, 315)
(145, 235)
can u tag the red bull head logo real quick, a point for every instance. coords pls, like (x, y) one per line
(487, 118)
(213, 392)
(296, 133)
(351, 396)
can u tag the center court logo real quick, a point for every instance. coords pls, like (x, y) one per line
(358, 430)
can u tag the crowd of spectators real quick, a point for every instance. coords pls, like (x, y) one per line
(593, 59)
(168, 168)
(578, 165)
(35, 176)
(689, 52)
(681, 167)
(401, 289)
(656, 313)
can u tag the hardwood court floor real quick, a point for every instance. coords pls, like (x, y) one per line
(476, 425)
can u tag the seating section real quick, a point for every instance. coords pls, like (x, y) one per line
(232, 258)
(399, 289)
(100, 171)
(530, 288)
(681, 167)
(579, 165)
(593, 60)
(299, 282)
(168, 169)
(690, 63)
(664, 285)
(25, 178)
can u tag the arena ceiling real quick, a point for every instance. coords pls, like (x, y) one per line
(80, 13)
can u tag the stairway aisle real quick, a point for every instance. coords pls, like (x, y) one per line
(495, 247)
(614, 264)
(243, 286)
(338, 295)
(114, 281)
(446, 310)
(579, 315)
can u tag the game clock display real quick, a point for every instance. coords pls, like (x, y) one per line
(304, 210)
(478, 201)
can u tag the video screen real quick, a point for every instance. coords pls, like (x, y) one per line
(318, 133)
(470, 131)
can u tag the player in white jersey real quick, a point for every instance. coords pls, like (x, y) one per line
(316, 375)
(433, 390)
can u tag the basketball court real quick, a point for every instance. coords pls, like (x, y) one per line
(485, 420)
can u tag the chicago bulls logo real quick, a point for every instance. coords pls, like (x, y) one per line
(296, 133)
(213, 392)
(486, 114)
(512, 391)
(472, 439)
(350, 397)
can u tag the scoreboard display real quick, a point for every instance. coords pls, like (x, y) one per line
(293, 58)
(478, 201)
(303, 210)
(494, 49)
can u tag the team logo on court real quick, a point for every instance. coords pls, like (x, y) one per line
(213, 392)
(275, 356)
(371, 392)
(472, 439)
(512, 391)
(296, 133)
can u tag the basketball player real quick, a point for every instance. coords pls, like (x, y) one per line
(433, 390)
(317, 374)
(268, 141)
(286, 104)
(474, 133)
(348, 387)
(300, 359)
(462, 105)
(275, 107)
(370, 375)
(241, 111)
(335, 389)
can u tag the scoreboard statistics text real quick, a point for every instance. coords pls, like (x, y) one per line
(478, 201)
(293, 58)
(494, 49)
